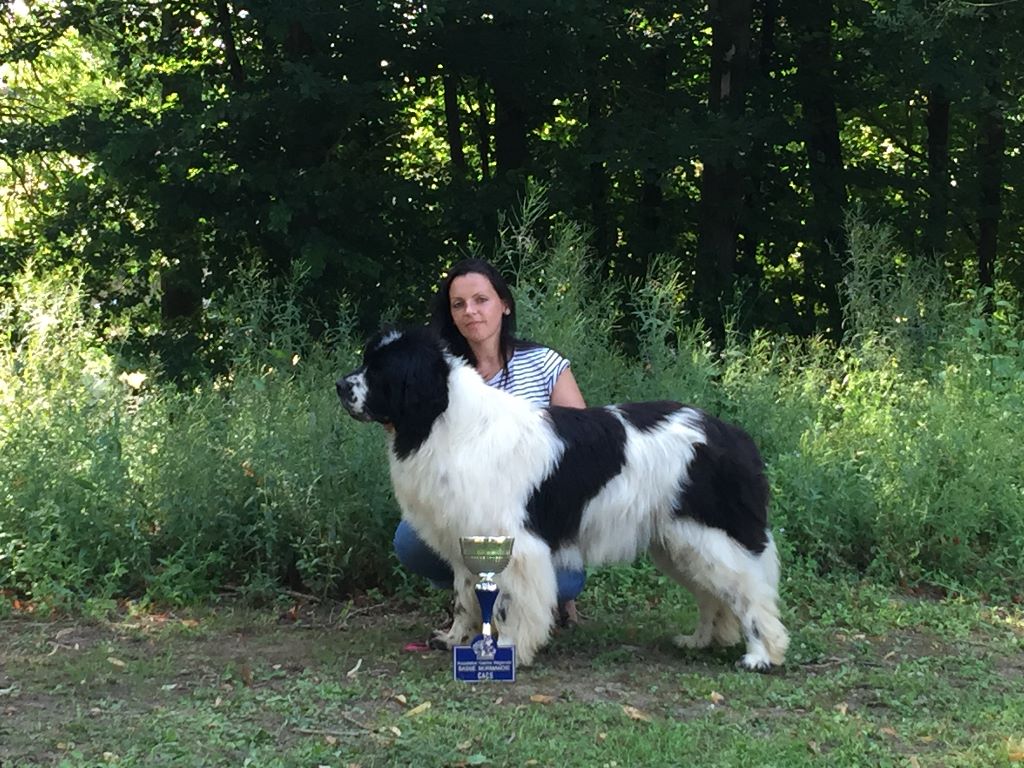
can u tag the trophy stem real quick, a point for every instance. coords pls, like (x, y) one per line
(486, 594)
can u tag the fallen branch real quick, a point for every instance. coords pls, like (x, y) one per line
(326, 732)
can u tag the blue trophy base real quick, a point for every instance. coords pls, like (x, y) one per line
(483, 660)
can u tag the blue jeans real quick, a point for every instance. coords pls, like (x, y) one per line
(416, 557)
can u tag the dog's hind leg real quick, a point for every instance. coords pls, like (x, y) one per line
(709, 607)
(529, 597)
(752, 594)
(767, 638)
(716, 623)
(744, 585)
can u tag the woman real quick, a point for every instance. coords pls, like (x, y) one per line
(475, 314)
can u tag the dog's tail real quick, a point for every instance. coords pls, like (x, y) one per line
(766, 610)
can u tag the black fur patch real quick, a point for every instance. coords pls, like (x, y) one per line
(648, 416)
(407, 380)
(594, 440)
(727, 488)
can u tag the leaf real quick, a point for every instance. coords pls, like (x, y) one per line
(352, 672)
(418, 709)
(636, 714)
(116, 662)
(477, 759)
(1015, 750)
(541, 698)
(716, 698)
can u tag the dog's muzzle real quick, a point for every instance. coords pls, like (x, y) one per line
(352, 392)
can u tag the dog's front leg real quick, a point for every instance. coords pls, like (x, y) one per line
(466, 614)
(529, 594)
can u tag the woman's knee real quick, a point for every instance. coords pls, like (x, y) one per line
(417, 557)
(570, 584)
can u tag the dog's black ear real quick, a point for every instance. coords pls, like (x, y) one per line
(416, 373)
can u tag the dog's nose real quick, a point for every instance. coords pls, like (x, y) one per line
(344, 389)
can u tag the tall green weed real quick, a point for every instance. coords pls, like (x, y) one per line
(116, 484)
(898, 455)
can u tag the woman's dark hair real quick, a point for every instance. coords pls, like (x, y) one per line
(441, 312)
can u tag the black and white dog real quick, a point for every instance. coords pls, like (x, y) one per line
(574, 487)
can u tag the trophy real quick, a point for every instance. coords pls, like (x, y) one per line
(485, 556)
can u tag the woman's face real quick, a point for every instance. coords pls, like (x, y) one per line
(476, 307)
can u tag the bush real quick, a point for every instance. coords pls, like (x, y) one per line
(898, 455)
(124, 485)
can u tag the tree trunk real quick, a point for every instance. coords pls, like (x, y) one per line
(991, 151)
(753, 222)
(721, 179)
(181, 283)
(815, 83)
(649, 237)
(230, 51)
(483, 132)
(453, 123)
(511, 151)
(937, 124)
(598, 182)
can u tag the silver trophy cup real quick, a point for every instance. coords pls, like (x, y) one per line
(486, 556)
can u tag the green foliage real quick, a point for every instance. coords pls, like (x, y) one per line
(886, 458)
(164, 144)
(560, 302)
(888, 294)
(119, 485)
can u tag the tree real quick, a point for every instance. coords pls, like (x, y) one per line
(812, 23)
(723, 170)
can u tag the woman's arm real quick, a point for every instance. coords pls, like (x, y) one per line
(567, 392)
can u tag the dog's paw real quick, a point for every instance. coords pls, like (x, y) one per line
(437, 641)
(446, 639)
(524, 659)
(754, 663)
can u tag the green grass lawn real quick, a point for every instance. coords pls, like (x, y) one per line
(872, 679)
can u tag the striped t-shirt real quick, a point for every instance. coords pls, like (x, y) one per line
(532, 373)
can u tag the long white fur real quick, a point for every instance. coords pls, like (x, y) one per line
(486, 454)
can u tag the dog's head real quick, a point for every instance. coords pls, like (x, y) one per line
(402, 383)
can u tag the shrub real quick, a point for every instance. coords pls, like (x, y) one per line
(898, 455)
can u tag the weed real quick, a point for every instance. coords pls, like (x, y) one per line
(897, 457)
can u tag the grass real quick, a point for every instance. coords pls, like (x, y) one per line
(873, 678)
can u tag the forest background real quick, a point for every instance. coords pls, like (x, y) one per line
(803, 216)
